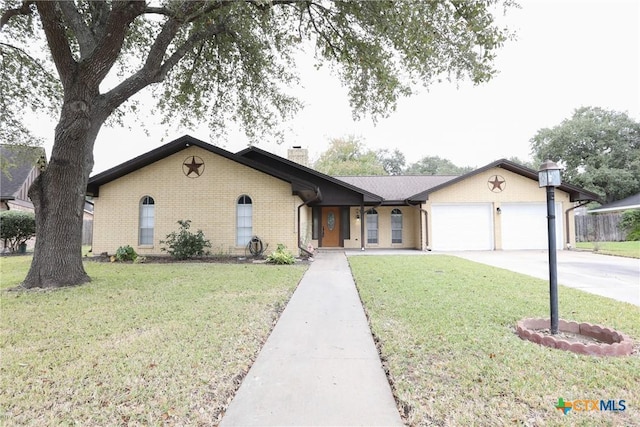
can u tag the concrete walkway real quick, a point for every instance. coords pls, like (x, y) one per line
(320, 365)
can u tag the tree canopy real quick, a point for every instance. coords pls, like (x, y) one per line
(599, 150)
(349, 156)
(218, 61)
(435, 165)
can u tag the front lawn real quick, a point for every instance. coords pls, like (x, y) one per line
(626, 249)
(143, 344)
(446, 332)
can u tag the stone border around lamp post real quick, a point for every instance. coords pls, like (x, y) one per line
(612, 343)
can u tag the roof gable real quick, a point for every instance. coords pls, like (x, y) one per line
(300, 187)
(575, 193)
(306, 173)
(18, 163)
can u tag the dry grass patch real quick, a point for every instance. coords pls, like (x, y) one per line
(446, 332)
(140, 345)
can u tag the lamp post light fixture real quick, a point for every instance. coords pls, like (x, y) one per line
(549, 177)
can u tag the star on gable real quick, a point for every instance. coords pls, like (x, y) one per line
(194, 165)
(496, 183)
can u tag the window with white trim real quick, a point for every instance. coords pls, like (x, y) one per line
(244, 220)
(147, 220)
(372, 226)
(396, 226)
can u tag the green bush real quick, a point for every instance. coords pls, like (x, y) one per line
(184, 244)
(630, 223)
(281, 256)
(126, 253)
(16, 228)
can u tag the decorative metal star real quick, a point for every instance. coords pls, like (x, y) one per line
(193, 166)
(496, 183)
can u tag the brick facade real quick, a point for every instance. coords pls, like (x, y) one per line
(209, 201)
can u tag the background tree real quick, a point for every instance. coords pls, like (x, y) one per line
(435, 165)
(349, 156)
(393, 162)
(528, 163)
(599, 150)
(218, 61)
(16, 228)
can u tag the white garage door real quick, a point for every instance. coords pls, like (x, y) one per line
(524, 226)
(462, 227)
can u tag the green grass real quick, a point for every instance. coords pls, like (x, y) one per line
(446, 333)
(142, 344)
(626, 249)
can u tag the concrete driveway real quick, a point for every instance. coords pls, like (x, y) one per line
(609, 276)
(605, 275)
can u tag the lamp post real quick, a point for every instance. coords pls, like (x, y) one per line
(549, 176)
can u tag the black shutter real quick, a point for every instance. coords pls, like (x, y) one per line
(316, 214)
(345, 223)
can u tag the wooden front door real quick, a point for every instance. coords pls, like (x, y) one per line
(330, 227)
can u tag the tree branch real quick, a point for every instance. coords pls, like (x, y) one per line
(99, 11)
(154, 71)
(57, 41)
(30, 58)
(160, 11)
(24, 9)
(111, 40)
(85, 38)
(334, 49)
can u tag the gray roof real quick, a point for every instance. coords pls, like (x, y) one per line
(17, 163)
(631, 202)
(397, 187)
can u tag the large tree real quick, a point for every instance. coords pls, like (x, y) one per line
(599, 150)
(217, 60)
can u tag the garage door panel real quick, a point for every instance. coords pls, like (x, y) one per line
(524, 225)
(462, 227)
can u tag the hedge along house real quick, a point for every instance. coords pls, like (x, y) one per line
(233, 197)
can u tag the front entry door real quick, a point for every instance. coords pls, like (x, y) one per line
(330, 227)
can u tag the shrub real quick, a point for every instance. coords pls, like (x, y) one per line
(126, 253)
(281, 256)
(184, 244)
(630, 223)
(17, 227)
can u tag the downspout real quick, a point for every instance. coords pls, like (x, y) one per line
(362, 226)
(566, 220)
(299, 207)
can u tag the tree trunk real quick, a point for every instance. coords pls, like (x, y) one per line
(58, 196)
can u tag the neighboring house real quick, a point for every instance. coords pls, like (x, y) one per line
(631, 202)
(232, 197)
(20, 167)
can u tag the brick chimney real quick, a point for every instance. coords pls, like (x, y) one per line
(299, 155)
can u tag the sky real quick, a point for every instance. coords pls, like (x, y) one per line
(567, 54)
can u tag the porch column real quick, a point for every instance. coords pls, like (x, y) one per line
(362, 219)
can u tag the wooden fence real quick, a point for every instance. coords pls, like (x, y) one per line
(87, 231)
(599, 228)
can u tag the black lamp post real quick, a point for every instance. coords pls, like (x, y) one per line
(549, 176)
